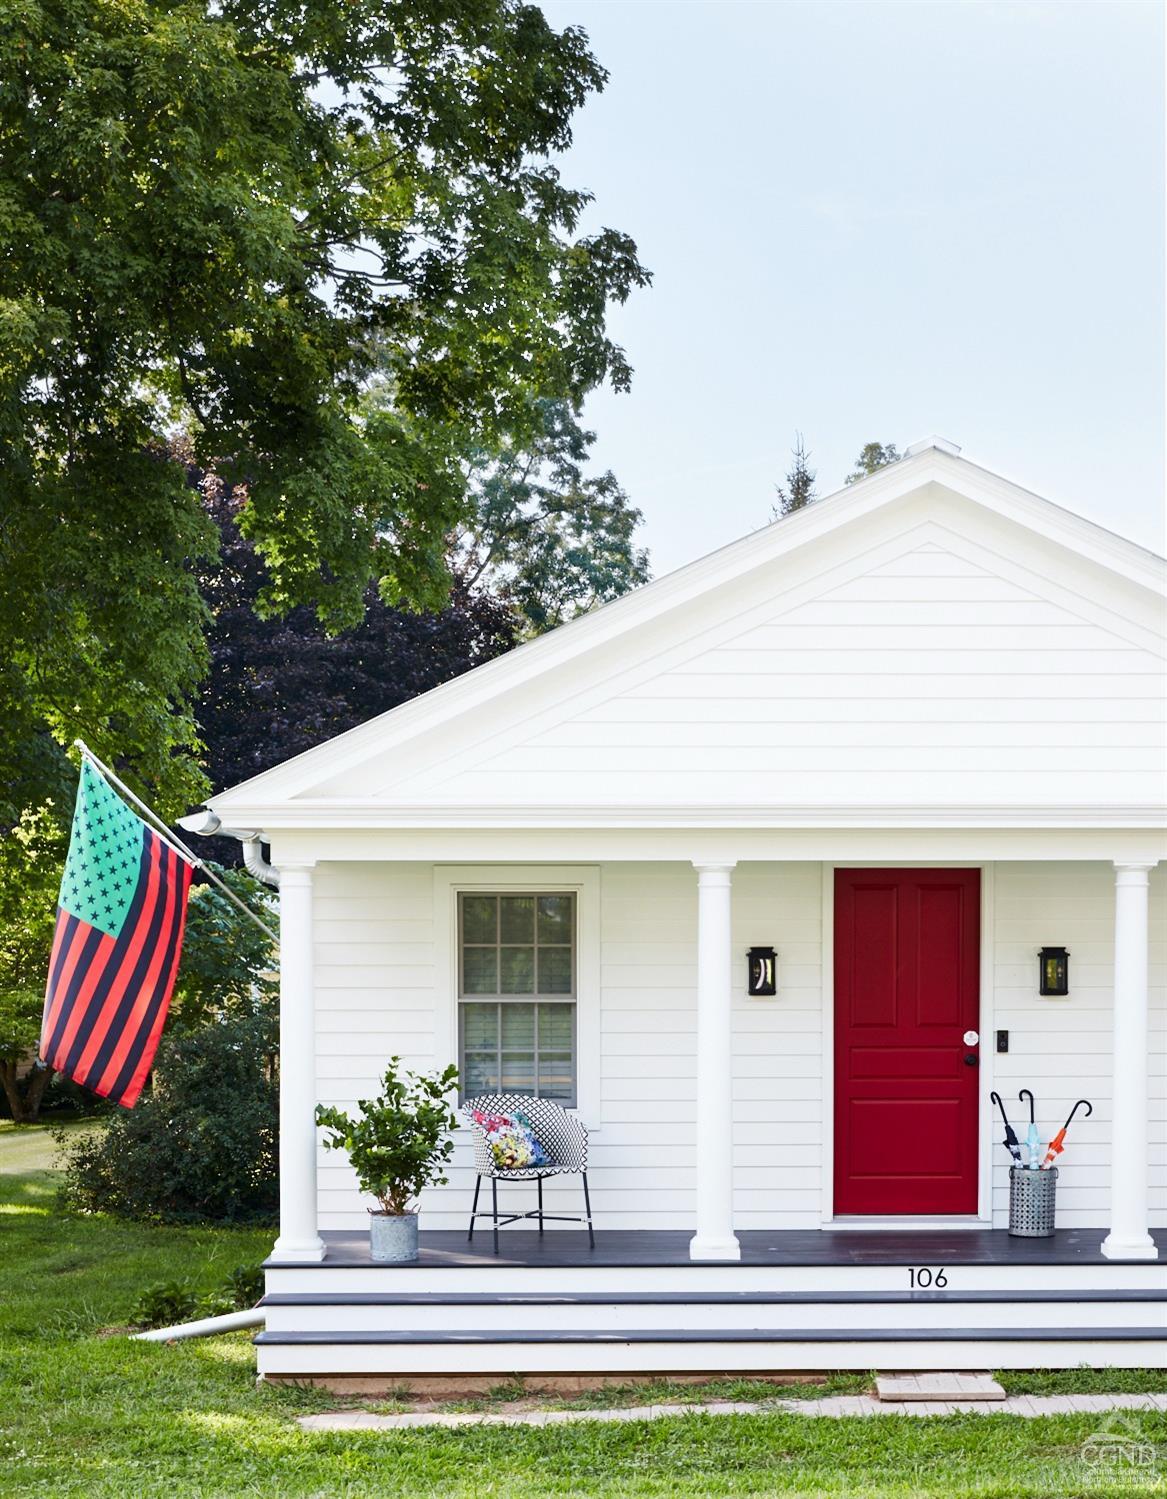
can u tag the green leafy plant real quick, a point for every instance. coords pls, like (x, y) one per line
(245, 1286)
(401, 1141)
(165, 1304)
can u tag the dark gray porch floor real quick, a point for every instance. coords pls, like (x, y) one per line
(655, 1247)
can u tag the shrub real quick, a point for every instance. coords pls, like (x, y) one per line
(164, 1305)
(171, 1302)
(245, 1286)
(401, 1141)
(201, 1146)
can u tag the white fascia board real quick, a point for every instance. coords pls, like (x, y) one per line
(760, 548)
(324, 814)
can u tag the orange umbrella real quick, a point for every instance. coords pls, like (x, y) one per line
(1058, 1143)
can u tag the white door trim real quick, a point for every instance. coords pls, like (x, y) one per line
(984, 1213)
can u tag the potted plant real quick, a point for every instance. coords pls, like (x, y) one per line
(399, 1144)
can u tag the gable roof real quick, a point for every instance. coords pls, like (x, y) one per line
(931, 473)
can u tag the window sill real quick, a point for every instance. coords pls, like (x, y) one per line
(462, 1132)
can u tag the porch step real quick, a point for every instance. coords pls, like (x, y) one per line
(323, 1354)
(721, 1335)
(480, 1314)
(689, 1298)
(864, 1278)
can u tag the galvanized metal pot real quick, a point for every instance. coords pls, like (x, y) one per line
(393, 1237)
(1032, 1200)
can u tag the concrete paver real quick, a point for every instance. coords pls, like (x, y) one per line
(830, 1406)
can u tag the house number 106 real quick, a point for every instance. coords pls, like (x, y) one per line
(924, 1277)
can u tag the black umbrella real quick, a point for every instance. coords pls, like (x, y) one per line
(1012, 1144)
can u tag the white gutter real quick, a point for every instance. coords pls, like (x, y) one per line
(207, 825)
(206, 1327)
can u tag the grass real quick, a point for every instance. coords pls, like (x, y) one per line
(85, 1412)
(515, 1396)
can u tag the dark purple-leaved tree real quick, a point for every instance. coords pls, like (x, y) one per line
(279, 686)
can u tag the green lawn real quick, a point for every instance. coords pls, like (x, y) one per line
(85, 1412)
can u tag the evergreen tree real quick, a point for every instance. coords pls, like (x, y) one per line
(799, 490)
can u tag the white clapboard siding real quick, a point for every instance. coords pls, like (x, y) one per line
(377, 997)
(1062, 1048)
(940, 670)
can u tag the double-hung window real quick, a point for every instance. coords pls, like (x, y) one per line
(517, 994)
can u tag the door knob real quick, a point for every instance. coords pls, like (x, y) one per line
(970, 1059)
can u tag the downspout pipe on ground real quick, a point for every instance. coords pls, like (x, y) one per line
(205, 1327)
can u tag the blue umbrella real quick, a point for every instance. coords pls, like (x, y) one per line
(1032, 1142)
(1012, 1144)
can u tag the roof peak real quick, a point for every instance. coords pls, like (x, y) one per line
(941, 444)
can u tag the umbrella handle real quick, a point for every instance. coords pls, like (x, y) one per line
(1025, 1092)
(996, 1098)
(1082, 1102)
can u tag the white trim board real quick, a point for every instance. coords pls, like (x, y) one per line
(876, 1224)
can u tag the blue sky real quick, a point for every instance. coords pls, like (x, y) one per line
(874, 221)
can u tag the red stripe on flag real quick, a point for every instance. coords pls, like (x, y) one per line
(133, 1088)
(96, 968)
(80, 932)
(58, 936)
(118, 984)
(148, 987)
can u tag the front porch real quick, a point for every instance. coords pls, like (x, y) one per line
(637, 1303)
(781, 1250)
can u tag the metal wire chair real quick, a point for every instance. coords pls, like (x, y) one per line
(563, 1138)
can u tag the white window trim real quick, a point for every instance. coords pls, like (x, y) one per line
(582, 880)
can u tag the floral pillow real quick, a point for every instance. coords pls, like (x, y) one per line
(512, 1141)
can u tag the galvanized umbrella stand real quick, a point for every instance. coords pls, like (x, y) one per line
(1032, 1200)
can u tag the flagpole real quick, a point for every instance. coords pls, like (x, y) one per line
(172, 840)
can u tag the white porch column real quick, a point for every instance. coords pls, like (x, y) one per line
(298, 1238)
(714, 1239)
(1128, 1238)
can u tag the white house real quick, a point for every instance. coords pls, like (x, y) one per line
(906, 737)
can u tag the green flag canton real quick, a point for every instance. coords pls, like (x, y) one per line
(105, 855)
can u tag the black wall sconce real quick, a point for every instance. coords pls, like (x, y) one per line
(761, 970)
(1054, 971)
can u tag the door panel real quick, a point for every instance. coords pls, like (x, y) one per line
(907, 987)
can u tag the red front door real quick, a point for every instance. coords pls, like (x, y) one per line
(907, 982)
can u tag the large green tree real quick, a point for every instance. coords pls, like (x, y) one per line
(544, 533)
(227, 217)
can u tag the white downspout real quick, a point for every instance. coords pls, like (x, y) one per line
(205, 1327)
(255, 863)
